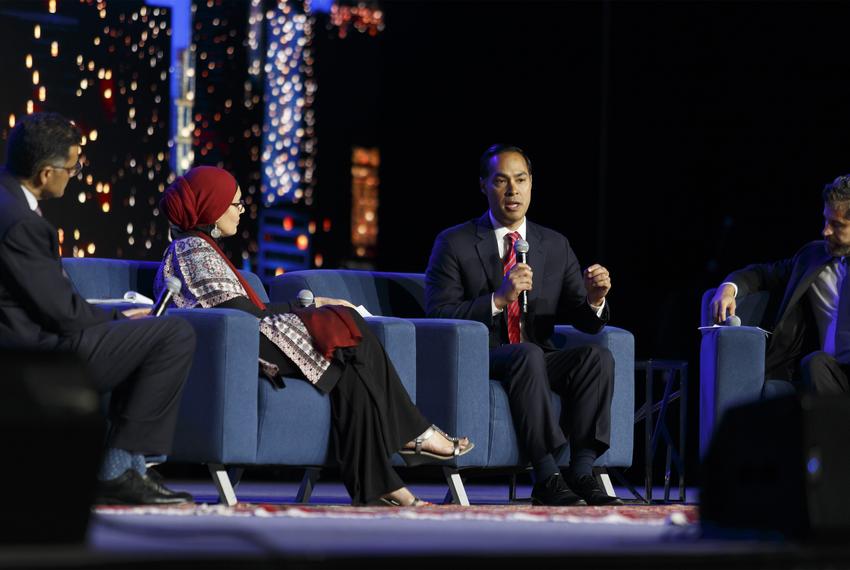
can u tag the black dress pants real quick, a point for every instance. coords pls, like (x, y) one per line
(824, 375)
(144, 363)
(371, 413)
(583, 377)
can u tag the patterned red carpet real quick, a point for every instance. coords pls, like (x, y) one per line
(629, 514)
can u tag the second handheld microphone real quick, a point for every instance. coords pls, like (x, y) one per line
(172, 287)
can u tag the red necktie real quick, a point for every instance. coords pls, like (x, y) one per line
(512, 308)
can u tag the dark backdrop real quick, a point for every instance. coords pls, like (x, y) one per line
(672, 141)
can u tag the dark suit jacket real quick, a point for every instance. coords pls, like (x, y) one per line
(465, 269)
(39, 308)
(789, 314)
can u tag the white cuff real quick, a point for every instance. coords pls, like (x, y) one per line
(735, 287)
(494, 310)
(600, 309)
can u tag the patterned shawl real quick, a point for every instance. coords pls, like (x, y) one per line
(207, 281)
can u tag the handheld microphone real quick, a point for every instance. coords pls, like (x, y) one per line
(521, 248)
(172, 287)
(305, 298)
(732, 321)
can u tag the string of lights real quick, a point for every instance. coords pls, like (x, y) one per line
(105, 67)
(246, 103)
(289, 142)
(366, 18)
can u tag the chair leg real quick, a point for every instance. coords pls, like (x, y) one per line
(512, 488)
(456, 487)
(235, 475)
(621, 479)
(604, 481)
(308, 483)
(226, 494)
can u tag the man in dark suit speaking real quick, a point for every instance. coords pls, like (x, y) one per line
(809, 302)
(473, 274)
(142, 362)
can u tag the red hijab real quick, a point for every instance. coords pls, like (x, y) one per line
(199, 198)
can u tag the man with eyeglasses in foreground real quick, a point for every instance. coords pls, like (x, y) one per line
(142, 362)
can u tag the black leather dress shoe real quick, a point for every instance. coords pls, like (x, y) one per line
(157, 479)
(131, 488)
(588, 489)
(554, 492)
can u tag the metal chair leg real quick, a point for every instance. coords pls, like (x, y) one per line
(456, 487)
(621, 479)
(226, 494)
(308, 483)
(604, 481)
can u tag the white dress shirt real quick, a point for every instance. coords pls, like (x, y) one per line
(823, 296)
(502, 242)
(31, 199)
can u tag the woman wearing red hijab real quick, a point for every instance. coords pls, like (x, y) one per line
(330, 345)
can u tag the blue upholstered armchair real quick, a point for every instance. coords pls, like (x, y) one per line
(229, 417)
(732, 363)
(452, 368)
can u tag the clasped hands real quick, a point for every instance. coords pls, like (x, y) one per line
(322, 301)
(597, 282)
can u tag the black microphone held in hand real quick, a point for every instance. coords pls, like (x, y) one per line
(521, 249)
(172, 287)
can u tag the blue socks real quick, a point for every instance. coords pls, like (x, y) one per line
(581, 462)
(139, 463)
(544, 467)
(117, 461)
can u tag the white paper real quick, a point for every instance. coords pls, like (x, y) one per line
(136, 297)
(129, 297)
(363, 311)
(716, 326)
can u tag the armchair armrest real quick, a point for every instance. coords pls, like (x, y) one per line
(731, 372)
(218, 413)
(621, 343)
(453, 373)
(398, 337)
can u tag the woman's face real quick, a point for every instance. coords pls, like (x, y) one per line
(229, 221)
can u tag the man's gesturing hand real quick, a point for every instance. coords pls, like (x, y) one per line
(597, 281)
(514, 283)
(723, 301)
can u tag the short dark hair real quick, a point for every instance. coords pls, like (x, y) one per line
(838, 191)
(37, 140)
(484, 161)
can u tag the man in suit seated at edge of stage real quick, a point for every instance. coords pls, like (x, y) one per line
(143, 362)
(473, 274)
(809, 302)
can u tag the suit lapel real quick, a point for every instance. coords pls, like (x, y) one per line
(813, 269)
(536, 259)
(488, 252)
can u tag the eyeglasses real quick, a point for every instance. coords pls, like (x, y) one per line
(72, 170)
(240, 206)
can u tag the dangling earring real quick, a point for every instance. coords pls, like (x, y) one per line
(215, 232)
